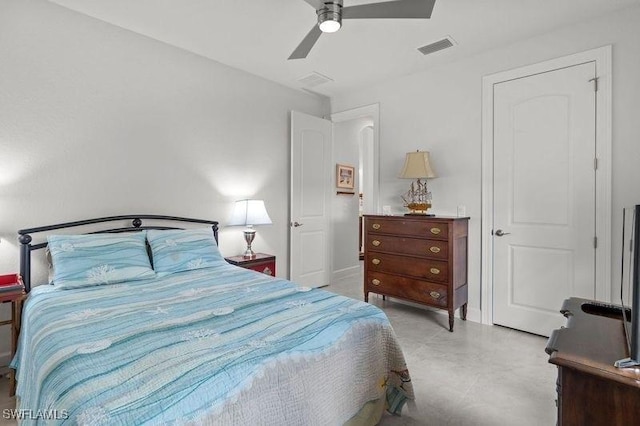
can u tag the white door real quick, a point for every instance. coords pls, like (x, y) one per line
(311, 175)
(544, 196)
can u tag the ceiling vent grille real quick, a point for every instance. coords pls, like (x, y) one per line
(445, 43)
(314, 79)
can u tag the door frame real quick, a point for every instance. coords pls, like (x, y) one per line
(602, 58)
(372, 111)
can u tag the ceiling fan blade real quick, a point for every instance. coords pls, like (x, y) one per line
(390, 9)
(317, 4)
(307, 43)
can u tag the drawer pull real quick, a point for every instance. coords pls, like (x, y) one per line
(434, 294)
(434, 249)
(434, 271)
(375, 261)
(435, 231)
(376, 226)
(375, 243)
(267, 271)
(375, 281)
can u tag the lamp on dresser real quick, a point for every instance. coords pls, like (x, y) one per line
(249, 213)
(417, 166)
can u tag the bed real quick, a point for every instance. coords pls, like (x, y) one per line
(208, 346)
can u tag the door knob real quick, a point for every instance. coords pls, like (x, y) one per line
(501, 233)
(296, 224)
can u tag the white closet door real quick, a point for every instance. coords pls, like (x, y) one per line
(544, 196)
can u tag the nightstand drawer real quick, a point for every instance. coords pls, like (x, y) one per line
(267, 268)
(427, 269)
(403, 245)
(407, 288)
(264, 263)
(416, 228)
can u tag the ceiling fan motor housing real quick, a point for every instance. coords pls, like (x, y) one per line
(330, 16)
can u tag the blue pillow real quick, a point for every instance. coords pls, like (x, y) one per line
(177, 250)
(94, 259)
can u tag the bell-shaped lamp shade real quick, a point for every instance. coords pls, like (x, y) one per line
(417, 166)
(249, 213)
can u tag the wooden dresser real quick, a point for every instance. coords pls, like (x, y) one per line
(418, 258)
(591, 391)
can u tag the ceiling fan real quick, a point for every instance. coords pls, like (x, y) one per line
(331, 13)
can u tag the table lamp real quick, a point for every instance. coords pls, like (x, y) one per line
(249, 213)
(417, 166)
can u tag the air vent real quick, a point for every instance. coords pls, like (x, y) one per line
(438, 45)
(314, 79)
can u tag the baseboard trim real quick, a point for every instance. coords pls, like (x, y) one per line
(474, 314)
(345, 272)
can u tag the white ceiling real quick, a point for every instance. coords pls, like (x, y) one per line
(259, 35)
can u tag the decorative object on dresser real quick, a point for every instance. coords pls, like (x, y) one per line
(417, 166)
(418, 258)
(249, 213)
(12, 291)
(265, 263)
(591, 390)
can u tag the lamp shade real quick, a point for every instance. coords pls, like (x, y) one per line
(249, 212)
(417, 166)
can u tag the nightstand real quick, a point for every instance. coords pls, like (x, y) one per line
(265, 263)
(15, 298)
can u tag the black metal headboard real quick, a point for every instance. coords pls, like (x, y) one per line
(136, 225)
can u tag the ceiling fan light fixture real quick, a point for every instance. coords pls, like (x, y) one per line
(330, 17)
(329, 26)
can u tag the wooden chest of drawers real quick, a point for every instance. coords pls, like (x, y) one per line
(418, 258)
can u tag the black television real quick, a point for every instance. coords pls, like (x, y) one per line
(630, 286)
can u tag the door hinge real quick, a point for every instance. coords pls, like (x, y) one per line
(595, 83)
(595, 242)
(595, 164)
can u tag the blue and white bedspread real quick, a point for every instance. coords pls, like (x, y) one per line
(223, 345)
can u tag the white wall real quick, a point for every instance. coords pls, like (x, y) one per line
(440, 111)
(346, 150)
(96, 120)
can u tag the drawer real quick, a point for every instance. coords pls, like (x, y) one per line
(268, 268)
(408, 288)
(415, 227)
(427, 248)
(264, 263)
(428, 269)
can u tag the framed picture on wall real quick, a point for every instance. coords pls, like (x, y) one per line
(345, 176)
